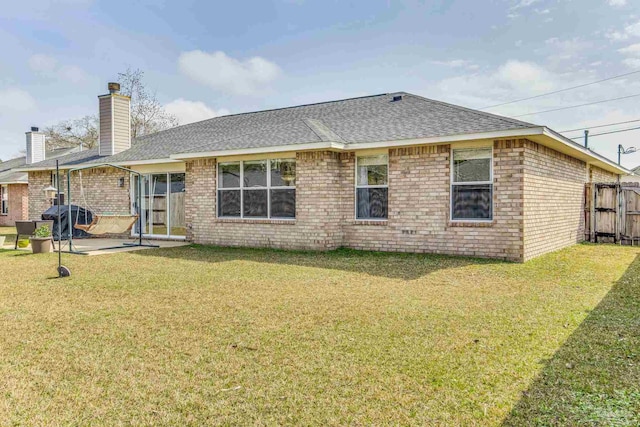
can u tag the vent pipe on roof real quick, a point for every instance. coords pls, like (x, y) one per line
(115, 121)
(586, 139)
(396, 98)
(35, 146)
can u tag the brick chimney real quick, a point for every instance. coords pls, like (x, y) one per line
(115, 121)
(35, 146)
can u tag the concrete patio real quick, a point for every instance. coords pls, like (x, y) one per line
(93, 246)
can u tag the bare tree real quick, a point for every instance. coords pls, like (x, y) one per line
(73, 133)
(147, 116)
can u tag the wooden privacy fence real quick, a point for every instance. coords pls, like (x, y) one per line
(612, 213)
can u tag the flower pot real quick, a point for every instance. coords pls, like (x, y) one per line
(41, 245)
(2, 241)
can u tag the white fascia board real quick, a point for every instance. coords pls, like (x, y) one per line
(14, 182)
(324, 145)
(79, 165)
(586, 154)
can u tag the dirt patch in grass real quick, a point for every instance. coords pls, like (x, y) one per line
(201, 335)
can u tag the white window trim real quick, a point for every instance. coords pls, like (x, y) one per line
(355, 190)
(242, 188)
(4, 200)
(452, 183)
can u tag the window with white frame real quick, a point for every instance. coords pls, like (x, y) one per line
(257, 189)
(372, 187)
(472, 184)
(54, 180)
(4, 200)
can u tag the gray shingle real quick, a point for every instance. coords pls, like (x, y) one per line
(356, 120)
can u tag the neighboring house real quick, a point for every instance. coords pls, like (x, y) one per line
(14, 205)
(390, 172)
(14, 194)
(634, 177)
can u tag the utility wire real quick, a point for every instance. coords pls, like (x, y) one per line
(600, 126)
(560, 90)
(607, 133)
(576, 106)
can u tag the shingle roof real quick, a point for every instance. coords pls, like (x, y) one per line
(76, 158)
(13, 177)
(355, 120)
(13, 163)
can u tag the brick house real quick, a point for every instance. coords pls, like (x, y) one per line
(14, 192)
(391, 172)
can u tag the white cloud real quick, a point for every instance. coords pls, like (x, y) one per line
(47, 66)
(458, 63)
(519, 74)
(543, 11)
(227, 74)
(192, 111)
(41, 63)
(631, 62)
(72, 73)
(617, 2)
(633, 49)
(14, 100)
(524, 3)
(632, 30)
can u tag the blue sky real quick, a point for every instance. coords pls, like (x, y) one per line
(205, 58)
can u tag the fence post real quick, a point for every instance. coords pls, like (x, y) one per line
(592, 213)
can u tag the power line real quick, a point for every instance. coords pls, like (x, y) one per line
(560, 90)
(576, 106)
(600, 126)
(607, 133)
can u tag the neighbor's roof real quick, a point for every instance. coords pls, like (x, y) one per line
(73, 159)
(11, 170)
(636, 170)
(355, 123)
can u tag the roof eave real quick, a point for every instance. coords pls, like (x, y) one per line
(585, 154)
(540, 134)
(122, 163)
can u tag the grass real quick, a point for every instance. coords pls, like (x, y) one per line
(201, 335)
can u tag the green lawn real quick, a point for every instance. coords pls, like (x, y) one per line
(207, 336)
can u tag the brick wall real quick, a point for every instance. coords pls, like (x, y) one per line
(101, 191)
(419, 188)
(317, 224)
(553, 200)
(600, 175)
(418, 207)
(18, 198)
(538, 204)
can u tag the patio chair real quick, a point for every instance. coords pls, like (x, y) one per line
(49, 224)
(24, 228)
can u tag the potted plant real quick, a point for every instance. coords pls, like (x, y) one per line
(41, 240)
